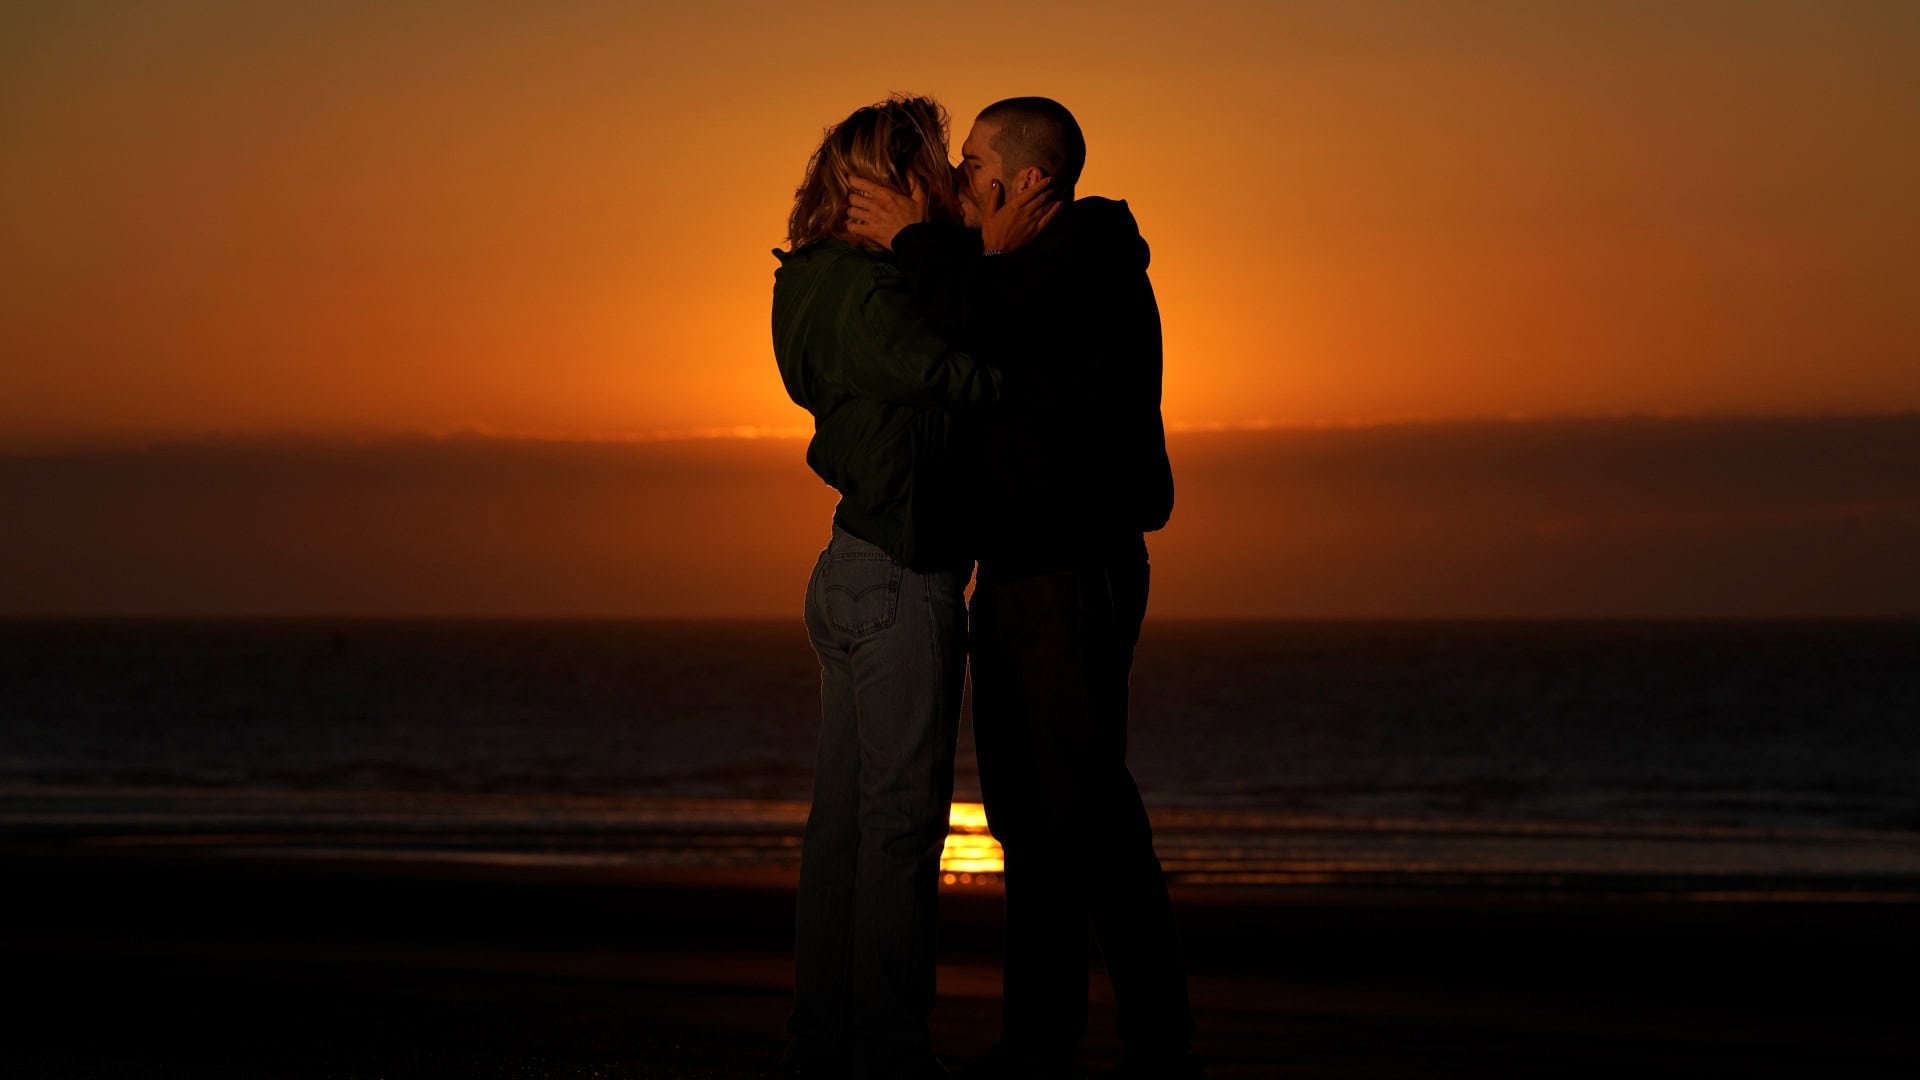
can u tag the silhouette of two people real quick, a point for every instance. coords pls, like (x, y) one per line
(981, 352)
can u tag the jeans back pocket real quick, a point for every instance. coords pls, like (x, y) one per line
(862, 594)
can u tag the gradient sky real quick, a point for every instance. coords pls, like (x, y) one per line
(555, 219)
(349, 223)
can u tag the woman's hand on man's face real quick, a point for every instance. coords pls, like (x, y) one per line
(876, 212)
(1006, 224)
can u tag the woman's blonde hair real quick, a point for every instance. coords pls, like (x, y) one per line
(895, 141)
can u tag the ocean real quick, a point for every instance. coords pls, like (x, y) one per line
(1714, 760)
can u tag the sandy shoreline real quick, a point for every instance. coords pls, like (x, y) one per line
(153, 966)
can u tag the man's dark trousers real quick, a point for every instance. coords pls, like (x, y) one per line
(1051, 656)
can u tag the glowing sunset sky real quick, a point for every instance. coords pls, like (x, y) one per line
(556, 218)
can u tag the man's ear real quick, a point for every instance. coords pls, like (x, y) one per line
(1028, 177)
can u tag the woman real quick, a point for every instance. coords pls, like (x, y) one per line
(890, 394)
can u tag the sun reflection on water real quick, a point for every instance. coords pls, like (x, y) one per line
(971, 854)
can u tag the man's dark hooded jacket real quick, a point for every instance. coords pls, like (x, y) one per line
(1075, 466)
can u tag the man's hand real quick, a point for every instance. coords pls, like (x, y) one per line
(1006, 224)
(876, 212)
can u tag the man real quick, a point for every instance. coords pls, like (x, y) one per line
(1075, 471)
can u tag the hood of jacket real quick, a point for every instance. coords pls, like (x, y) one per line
(1097, 230)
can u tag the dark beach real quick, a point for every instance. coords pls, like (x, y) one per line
(132, 965)
(380, 850)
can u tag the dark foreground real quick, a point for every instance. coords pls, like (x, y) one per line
(130, 967)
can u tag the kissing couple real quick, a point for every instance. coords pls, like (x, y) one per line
(980, 350)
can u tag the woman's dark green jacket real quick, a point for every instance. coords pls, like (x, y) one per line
(889, 393)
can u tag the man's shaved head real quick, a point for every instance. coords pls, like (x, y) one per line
(1038, 132)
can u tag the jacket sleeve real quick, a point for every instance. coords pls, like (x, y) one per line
(891, 354)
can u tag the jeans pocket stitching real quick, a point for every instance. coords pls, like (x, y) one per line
(856, 622)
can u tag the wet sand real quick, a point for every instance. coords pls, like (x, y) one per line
(133, 965)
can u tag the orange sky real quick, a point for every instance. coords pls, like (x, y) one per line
(556, 218)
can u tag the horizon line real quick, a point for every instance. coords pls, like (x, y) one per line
(479, 431)
(6, 617)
